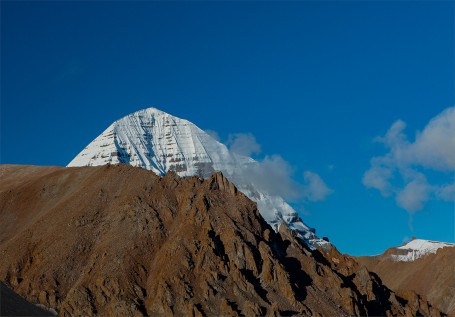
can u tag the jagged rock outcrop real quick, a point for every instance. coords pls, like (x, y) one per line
(121, 240)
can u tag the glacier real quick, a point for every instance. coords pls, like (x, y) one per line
(157, 141)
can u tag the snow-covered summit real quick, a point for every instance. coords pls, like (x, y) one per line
(157, 141)
(418, 248)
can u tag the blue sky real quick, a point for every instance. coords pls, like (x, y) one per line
(315, 82)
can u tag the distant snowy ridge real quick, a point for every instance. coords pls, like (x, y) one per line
(417, 249)
(160, 142)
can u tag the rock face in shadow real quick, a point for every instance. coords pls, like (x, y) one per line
(11, 304)
(119, 240)
(432, 275)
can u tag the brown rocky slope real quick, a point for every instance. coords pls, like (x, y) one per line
(118, 240)
(432, 275)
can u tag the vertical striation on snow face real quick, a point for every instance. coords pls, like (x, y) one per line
(160, 142)
(157, 141)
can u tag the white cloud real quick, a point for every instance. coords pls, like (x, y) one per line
(414, 195)
(315, 188)
(405, 162)
(435, 146)
(243, 143)
(394, 137)
(213, 134)
(274, 175)
(378, 177)
(446, 192)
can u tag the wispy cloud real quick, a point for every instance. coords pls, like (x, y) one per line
(315, 189)
(379, 176)
(446, 192)
(414, 194)
(274, 175)
(243, 144)
(402, 171)
(213, 134)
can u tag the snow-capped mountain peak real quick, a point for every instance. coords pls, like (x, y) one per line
(416, 249)
(157, 141)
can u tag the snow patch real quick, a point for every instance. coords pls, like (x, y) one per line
(417, 249)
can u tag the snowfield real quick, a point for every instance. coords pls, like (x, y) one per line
(418, 248)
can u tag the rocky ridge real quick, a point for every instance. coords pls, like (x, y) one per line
(122, 240)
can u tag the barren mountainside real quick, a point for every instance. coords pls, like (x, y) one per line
(118, 239)
(432, 275)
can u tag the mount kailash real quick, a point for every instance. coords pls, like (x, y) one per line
(160, 142)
